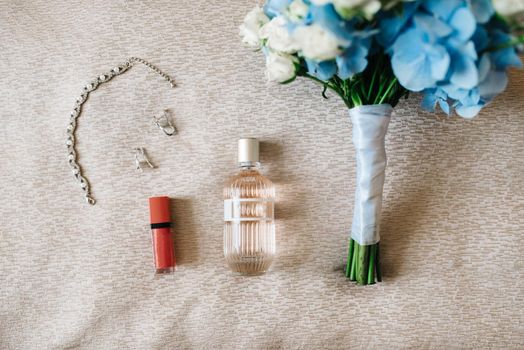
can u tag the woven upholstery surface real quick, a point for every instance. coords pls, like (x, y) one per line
(79, 277)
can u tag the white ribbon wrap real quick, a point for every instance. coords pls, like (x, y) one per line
(370, 124)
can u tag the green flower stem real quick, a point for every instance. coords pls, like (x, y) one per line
(356, 100)
(371, 269)
(386, 94)
(334, 88)
(363, 256)
(350, 256)
(353, 272)
(377, 263)
(363, 263)
(373, 82)
(377, 84)
(514, 42)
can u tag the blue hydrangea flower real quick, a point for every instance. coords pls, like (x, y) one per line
(274, 8)
(432, 97)
(392, 23)
(354, 58)
(482, 9)
(354, 44)
(323, 70)
(435, 44)
(418, 60)
(506, 57)
(328, 17)
(351, 61)
(492, 78)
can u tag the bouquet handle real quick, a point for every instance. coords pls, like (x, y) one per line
(370, 125)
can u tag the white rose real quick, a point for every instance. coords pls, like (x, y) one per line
(297, 10)
(280, 67)
(350, 3)
(321, 2)
(317, 43)
(508, 7)
(278, 36)
(342, 3)
(250, 29)
(371, 8)
(345, 7)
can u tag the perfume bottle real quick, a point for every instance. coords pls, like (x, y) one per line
(249, 227)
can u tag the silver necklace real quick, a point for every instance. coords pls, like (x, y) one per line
(77, 110)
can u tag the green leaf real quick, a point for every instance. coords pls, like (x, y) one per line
(324, 91)
(289, 80)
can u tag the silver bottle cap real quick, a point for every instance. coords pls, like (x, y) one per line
(248, 151)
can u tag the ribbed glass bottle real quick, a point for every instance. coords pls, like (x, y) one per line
(249, 227)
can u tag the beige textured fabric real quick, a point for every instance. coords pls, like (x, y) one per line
(74, 276)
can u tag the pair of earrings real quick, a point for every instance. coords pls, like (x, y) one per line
(165, 124)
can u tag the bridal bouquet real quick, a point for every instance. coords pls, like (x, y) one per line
(372, 53)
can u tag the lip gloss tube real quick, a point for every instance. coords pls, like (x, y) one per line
(162, 236)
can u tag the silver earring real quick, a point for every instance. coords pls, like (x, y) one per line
(141, 160)
(164, 123)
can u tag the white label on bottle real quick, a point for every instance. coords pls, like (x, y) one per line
(249, 209)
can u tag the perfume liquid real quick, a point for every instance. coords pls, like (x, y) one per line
(249, 227)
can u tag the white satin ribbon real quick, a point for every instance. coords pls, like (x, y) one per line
(370, 124)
